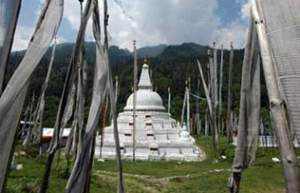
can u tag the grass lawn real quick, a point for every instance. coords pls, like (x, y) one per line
(207, 176)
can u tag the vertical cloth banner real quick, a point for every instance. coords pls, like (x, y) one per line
(78, 113)
(229, 113)
(183, 108)
(9, 13)
(65, 106)
(28, 137)
(38, 122)
(282, 21)
(249, 116)
(277, 104)
(14, 94)
(79, 177)
(220, 105)
(121, 188)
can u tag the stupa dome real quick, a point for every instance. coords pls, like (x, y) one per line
(146, 98)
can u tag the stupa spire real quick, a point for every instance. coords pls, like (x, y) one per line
(145, 81)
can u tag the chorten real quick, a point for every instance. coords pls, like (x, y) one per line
(157, 135)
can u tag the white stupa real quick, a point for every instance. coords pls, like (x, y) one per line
(157, 135)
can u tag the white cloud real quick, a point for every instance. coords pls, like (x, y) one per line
(22, 37)
(169, 21)
(175, 21)
(236, 31)
(72, 13)
(245, 10)
(153, 22)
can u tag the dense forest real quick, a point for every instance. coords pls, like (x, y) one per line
(171, 66)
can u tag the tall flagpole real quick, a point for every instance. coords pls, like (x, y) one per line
(134, 99)
(215, 91)
(169, 101)
(220, 121)
(197, 106)
(116, 89)
(183, 107)
(229, 113)
(188, 106)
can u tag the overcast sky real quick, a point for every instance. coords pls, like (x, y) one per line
(151, 22)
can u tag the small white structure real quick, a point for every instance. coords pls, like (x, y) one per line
(267, 141)
(157, 135)
(49, 132)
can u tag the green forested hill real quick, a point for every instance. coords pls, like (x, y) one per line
(151, 51)
(170, 65)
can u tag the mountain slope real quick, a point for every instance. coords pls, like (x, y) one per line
(151, 51)
(170, 68)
